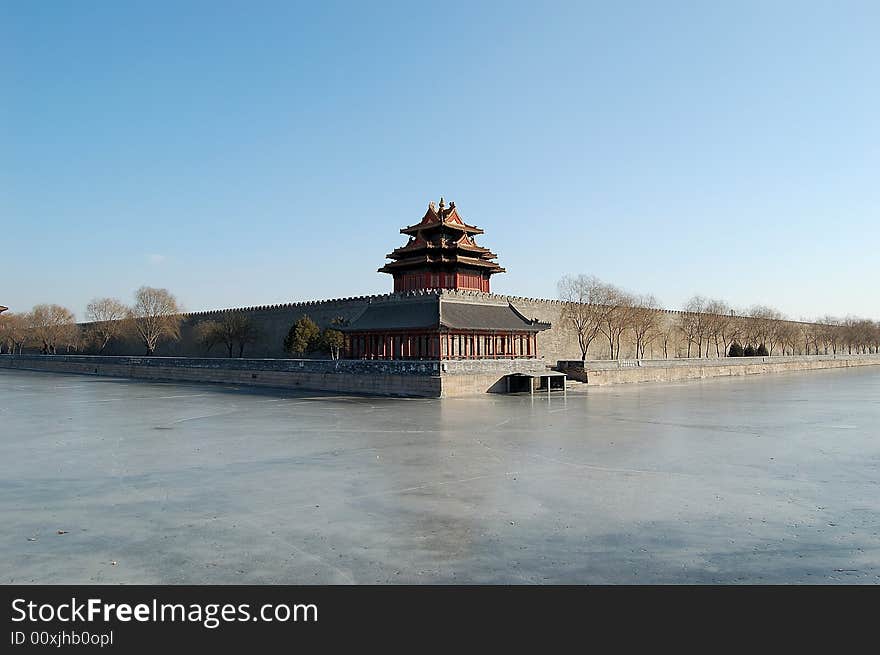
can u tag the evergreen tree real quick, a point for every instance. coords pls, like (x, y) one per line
(736, 350)
(303, 337)
(749, 351)
(762, 351)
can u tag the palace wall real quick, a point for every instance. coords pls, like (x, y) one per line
(273, 321)
(560, 341)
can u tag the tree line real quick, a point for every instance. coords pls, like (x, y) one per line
(595, 310)
(707, 327)
(154, 317)
(306, 337)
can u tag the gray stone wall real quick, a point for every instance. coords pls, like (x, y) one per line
(492, 366)
(372, 377)
(636, 370)
(411, 378)
(351, 366)
(674, 370)
(467, 377)
(272, 321)
(560, 341)
(390, 378)
(557, 343)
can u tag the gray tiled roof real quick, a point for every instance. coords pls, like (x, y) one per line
(421, 314)
(473, 316)
(433, 313)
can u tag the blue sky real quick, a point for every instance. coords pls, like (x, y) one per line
(245, 153)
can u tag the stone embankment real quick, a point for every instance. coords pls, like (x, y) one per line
(605, 372)
(427, 379)
(430, 379)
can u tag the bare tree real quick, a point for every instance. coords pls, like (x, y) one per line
(208, 334)
(107, 321)
(687, 325)
(243, 331)
(786, 335)
(829, 333)
(871, 336)
(767, 322)
(235, 330)
(718, 320)
(13, 332)
(735, 331)
(645, 323)
(617, 319)
(586, 300)
(693, 323)
(667, 331)
(751, 331)
(857, 334)
(809, 336)
(780, 338)
(50, 326)
(155, 315)
(6, 345)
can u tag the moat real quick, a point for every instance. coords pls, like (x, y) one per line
(767, 479)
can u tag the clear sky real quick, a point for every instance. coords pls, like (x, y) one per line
(244, 153)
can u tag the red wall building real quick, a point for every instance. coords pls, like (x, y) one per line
(428, 323)
(441, 254)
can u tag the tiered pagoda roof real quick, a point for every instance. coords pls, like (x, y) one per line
(441, 241)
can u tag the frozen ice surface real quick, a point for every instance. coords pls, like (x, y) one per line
(768, 479)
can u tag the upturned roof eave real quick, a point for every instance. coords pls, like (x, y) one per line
(461, 227)
(410, 263)
(404, 253)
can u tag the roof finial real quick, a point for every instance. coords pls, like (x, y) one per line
(442, 208)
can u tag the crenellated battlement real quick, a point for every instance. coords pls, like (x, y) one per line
(317, 303)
